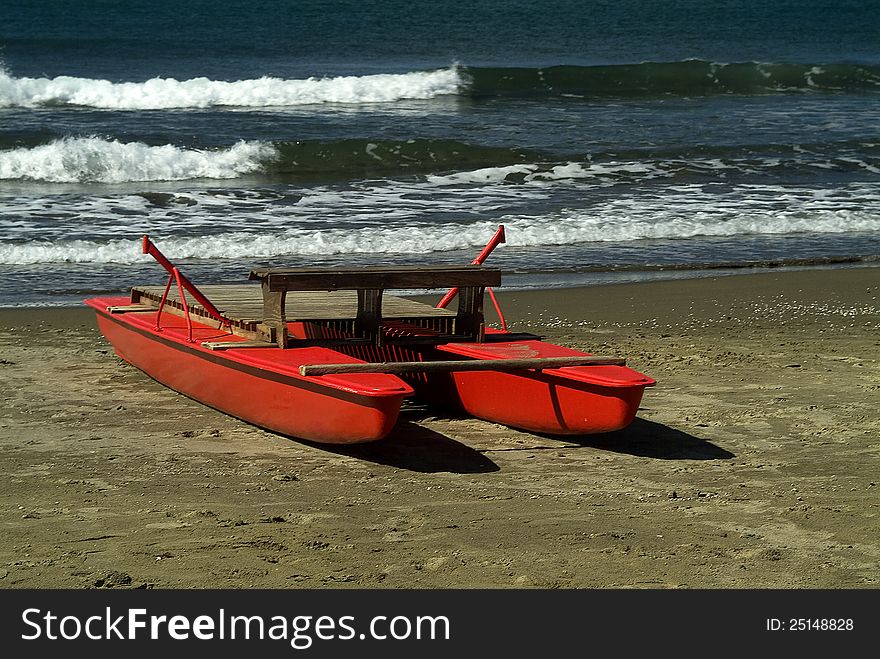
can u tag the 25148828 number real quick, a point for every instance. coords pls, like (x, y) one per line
(820, 624)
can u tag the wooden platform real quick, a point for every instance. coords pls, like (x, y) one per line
(242, 304)
(371, 282)
(339, 304)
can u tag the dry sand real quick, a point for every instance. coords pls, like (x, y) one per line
(754, 463)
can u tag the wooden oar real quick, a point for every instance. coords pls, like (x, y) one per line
(462, 365)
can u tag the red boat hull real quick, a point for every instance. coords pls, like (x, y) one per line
(562, 401)
(254, 384)
(536, 402)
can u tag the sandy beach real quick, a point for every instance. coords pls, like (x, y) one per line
(754, 462)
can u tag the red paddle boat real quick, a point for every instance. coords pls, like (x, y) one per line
(324, 354)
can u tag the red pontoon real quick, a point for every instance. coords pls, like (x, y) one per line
(259, 385)
(326, 355)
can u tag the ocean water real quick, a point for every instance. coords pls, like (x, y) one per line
(614, 140)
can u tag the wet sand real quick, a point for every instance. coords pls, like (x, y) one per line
(754, 463)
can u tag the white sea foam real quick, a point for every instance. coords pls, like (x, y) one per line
(542, 174)
(617, 224)
(626, 220)
(299, 242)
(410, 217)
(96, 160)
(615, 172)
(165, 93)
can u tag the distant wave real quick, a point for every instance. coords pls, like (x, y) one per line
(685, 78)
(441, 162)
(96, 160)
(353, 157)
(169, 93)
(649, 79)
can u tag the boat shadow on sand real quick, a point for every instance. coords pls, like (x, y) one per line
(416, 448)
(649, 439)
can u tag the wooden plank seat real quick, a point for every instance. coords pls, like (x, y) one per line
(370, 284)
(240, 303)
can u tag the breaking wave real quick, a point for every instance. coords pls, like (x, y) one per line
(96, 160)
(683, 78)
(169, 93)
(441, 162)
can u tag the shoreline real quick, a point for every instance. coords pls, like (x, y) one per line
(564, 281)
(752, 464)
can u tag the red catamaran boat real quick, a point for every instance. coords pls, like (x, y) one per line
(324, 354)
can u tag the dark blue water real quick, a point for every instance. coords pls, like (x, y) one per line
(613, 136)
(127, 40)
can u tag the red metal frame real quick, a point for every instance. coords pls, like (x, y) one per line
(162, 303)
(497, 238)
(494, 241)
(497, 309)
(182, 282)
(189, 325)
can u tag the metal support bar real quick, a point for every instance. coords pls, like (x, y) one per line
(149, 248)
(496, 239)
(189, 325)
(164, 299)
(497, 309)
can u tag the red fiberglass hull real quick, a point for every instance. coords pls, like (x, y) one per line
(259, 385)
(562, 401)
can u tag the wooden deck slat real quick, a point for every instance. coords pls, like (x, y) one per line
(129, 308)
(231, 345)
